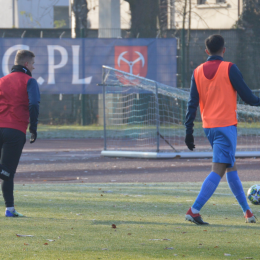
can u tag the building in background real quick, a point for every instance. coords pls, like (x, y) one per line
(34, 14)
(204, 14)
(51, 14)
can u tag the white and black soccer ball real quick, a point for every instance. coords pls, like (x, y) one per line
(253, 194)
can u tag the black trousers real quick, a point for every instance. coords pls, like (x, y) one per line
(11, 145)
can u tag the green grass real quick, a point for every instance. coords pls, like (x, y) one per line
(79, 219)
(69, 131)
(97, 131)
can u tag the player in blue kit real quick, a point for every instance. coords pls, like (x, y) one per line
(214, 86)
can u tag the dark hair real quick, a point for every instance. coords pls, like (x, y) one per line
(214, 44)
(23, 56)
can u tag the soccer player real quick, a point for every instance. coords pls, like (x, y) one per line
(19, 102)
(214, 86)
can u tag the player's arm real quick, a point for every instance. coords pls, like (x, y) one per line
(191, 113)
(34, 100)
(241, 87)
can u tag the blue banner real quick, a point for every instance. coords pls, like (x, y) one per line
(74, 66)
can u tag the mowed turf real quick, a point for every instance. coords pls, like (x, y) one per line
(74, 221)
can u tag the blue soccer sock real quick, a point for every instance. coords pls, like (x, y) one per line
(207, 189)
(236, 187)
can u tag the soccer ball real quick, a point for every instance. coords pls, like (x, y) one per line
(253, 194)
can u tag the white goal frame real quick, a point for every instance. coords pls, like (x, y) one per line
(162, 134)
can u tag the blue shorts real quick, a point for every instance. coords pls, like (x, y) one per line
(224, 142)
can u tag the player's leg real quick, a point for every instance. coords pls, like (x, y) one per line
(233, 178)
(220, 160)
(13, 143)
(207, 189)
(236, 187)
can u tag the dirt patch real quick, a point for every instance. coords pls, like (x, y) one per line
(77, 161)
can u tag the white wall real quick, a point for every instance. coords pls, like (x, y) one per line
(6, 14)
(209, 15)
(37, 13)
(93, 15)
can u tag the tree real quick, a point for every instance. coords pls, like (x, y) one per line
(249, 39)
(144, 17)
(80, 10)
(163, 17)
(250, 18)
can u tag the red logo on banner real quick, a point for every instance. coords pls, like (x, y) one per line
(131, 59)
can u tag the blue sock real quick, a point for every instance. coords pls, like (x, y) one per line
(236, 187)
(207, 189)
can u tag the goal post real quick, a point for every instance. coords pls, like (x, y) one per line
(145, 119)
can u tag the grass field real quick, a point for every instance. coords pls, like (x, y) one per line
(69, 131)
(97, 131)
(74, 221)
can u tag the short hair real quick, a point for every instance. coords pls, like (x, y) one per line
(214, 44)
(23, 56)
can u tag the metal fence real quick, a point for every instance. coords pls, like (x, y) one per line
(243, 49)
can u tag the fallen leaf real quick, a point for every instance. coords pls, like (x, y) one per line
(215, 246)
(101, 195)
(183, 232)
(45, 244)
(113, 226)
(24, 235)
(26, 244)
(129, 234)
(205, 230)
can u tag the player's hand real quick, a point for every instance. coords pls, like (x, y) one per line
(33, 136)
(189, 141)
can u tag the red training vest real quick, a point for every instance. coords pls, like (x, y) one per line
(217, 97)
(14, 102)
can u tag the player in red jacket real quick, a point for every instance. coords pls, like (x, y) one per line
(19, 105)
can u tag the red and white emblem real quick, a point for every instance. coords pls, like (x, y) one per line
(131, 59)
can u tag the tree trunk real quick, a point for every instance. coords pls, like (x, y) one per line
(144, 18)
(80, 9)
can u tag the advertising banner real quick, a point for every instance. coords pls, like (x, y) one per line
(74, 66)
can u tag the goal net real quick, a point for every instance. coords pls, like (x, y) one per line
(144, 118)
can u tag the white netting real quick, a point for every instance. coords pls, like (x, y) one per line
(143, 115)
